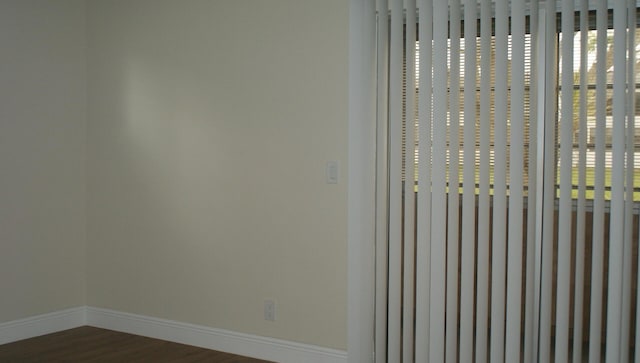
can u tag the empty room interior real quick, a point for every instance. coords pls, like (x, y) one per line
(324, 180)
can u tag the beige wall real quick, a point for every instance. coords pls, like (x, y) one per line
(42, 156)
(210, 123)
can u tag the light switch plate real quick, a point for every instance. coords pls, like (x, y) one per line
(333, 172)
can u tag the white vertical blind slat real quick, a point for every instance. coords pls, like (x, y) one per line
(582, 172)
(395, 182)
(382, 123)
(469, 186)
(453, 190)
(514, 274)
(482, 289)
(566, 163)
(595, 328)
(628, 223)
(530, 321)
(616, 227)
(423, 249)
(499, 248)
(547, 142)
(409, 185)
(438, 235)
(539, 177)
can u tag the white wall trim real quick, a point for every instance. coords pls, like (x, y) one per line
(361, 181)
(218, 339)
(34, 326)
(255, 346)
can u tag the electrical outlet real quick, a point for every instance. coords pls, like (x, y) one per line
(269, 310)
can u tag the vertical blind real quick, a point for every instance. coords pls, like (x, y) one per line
(507, 185)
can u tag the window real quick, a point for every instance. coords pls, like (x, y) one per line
(591, 114)
(590, 130)
(480, 261)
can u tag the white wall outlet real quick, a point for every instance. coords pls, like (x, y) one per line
(270, 310)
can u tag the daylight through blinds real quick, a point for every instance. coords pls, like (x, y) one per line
(508, 180)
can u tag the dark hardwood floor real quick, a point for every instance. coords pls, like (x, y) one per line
(89, 344)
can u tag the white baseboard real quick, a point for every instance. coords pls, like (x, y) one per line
(42, 324)
(271, 349)
(223, 340)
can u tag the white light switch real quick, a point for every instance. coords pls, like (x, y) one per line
(333, 172)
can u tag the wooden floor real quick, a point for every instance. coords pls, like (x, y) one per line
(89, 344)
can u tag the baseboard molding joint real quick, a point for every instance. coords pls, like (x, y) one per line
(42, 324)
